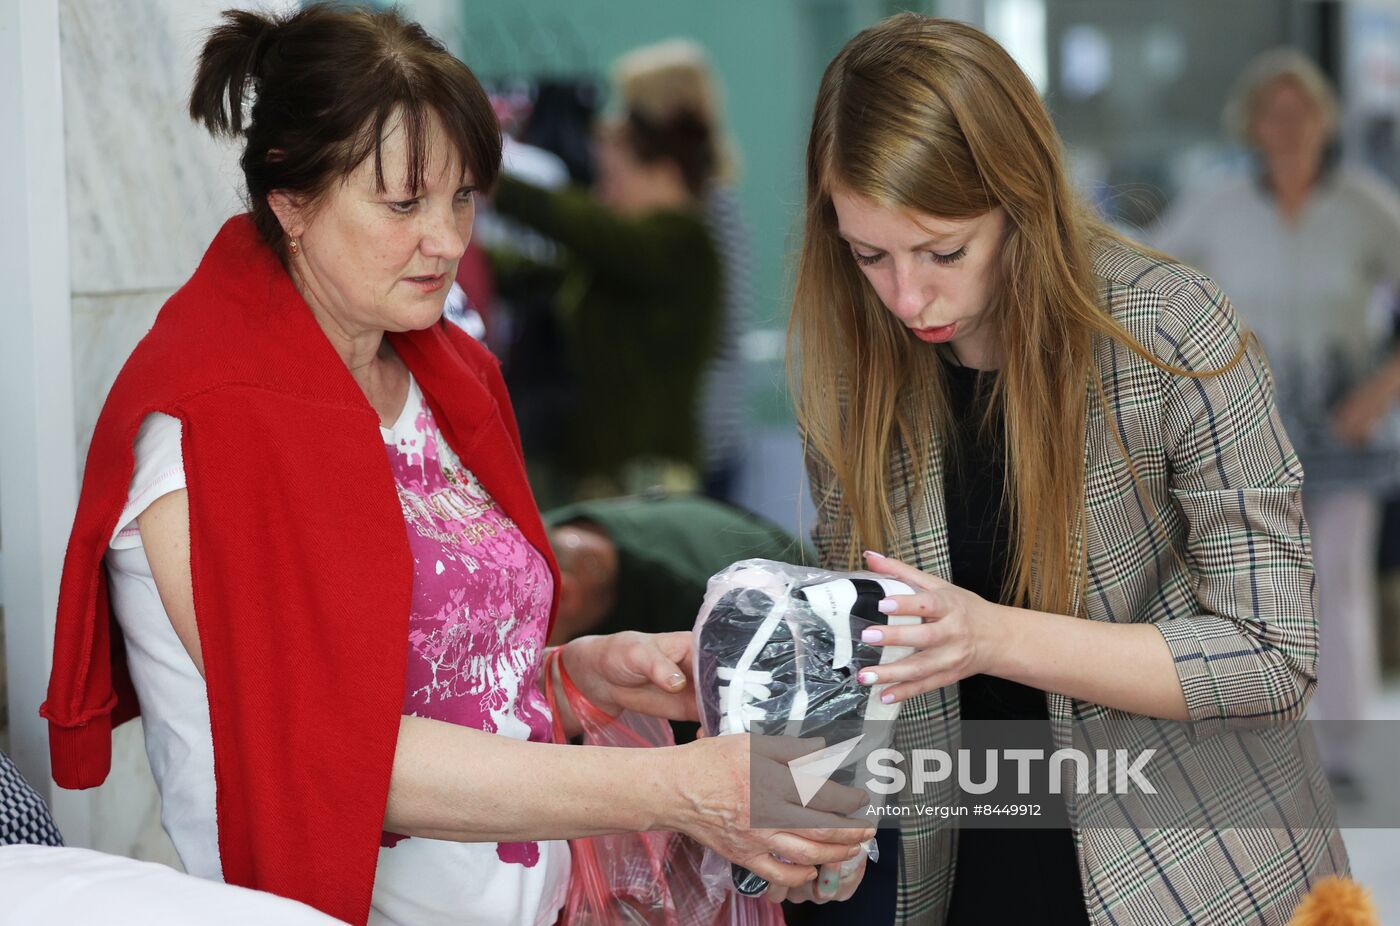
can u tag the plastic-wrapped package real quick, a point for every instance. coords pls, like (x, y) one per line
(777, 652)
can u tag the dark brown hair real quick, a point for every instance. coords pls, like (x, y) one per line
(325, 83)
(684, 139)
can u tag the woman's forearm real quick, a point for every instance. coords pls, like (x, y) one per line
(459, 783)
(1124, 666)
(462, 784)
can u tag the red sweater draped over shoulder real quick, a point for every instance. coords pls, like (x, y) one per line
(299, 555)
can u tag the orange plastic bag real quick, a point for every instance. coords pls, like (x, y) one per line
(640, 879)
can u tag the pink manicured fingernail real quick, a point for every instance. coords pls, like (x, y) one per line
(866, 678)
(872, 553)
(872, 635)
(887, 698)
(886, 606)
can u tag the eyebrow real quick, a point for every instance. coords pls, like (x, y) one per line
(936, 239)
(398, 194)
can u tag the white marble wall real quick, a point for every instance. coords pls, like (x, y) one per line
(147, 190)
(4, 692)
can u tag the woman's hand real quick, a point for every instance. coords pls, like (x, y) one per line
(708, 794)
(643, 672)
(960, 635)
(833, 883)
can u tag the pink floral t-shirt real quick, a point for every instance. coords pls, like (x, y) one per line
(477, 625)
(481, 592)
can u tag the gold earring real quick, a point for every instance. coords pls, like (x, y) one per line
(294, 246)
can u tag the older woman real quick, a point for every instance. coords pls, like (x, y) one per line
(305, 509)
(1302, 246)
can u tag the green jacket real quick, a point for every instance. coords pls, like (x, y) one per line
(641, 304)
(667, 549)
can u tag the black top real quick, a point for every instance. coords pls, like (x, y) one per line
(1003, 875)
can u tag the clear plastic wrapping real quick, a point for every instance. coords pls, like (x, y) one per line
(641, 879)
(778, 652)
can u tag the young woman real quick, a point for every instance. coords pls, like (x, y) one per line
(1070, 448)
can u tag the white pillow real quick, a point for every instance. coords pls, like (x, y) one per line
(42, 885)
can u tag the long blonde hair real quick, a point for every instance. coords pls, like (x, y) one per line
(932, 116)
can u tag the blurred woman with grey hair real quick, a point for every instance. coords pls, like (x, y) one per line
(1305, 245)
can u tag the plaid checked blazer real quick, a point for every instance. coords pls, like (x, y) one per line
(1236, 604)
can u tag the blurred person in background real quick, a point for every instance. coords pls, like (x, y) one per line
(641, 298)
(1304, 245)
(660, 80)
(643, 562)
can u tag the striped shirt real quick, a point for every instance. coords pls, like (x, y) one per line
(723, 398)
